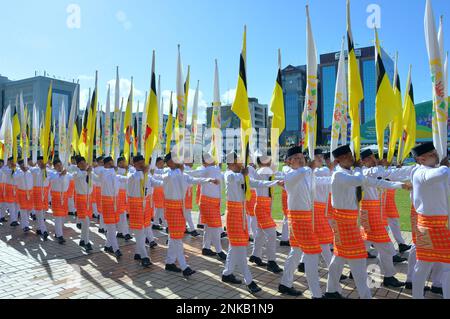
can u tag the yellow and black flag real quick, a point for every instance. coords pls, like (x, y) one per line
(152, 119)
(409, 121)
(16, 133)
(277, 108)
(241, 108)
(92, 116)
(386, 108)
(45, 132)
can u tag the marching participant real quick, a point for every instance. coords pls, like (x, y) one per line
(348, 242)
(284, 204)
(188, 205)
(237, 226)
(210, 207)
(158, 198)
(373, 218)
(9, 192)
(266, 232)
(83, 200)
(97, 200)
(24, 183)
(122, 205)
(72, 167)
(2, 200)
(250, 206)
(175, 186)
(430, 198)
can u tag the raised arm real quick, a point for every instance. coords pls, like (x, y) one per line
(432, 175)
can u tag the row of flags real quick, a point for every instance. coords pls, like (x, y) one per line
(84, 135)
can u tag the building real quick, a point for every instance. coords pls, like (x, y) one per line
(231, 123)
(294, 88)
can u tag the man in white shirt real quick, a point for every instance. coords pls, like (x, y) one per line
(122, 205)
(430, 198)
(40, 195)
(9, 191)
(24, 183)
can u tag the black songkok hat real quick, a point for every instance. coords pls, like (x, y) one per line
(365, 154)
(294, 151)
(422, 149)
(341, 151)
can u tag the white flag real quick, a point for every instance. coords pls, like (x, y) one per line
(72, 117)
(35, 134)
(6, 134)
(107, 131)
(62, 136)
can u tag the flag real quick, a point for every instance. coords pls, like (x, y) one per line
(98, 133)
(169, 126)
(277, 108)
(355, 89)
(91, 123)
(152, 117)
(72, 133)
(396, 125)
(23, 131)
(128, 125)
(76, 136)
(194, 129)
(115, 148)
(35, 134)
(143, 124)
(52, 140)
(386, 107)
(62, 146)
(409, 121)
(340, 115)
(216, 123)
(440, 100)
(16, 132)
(241, 108)
(82, 144)
(161, 117)
(107, 133)
(134, 133)
(180, 121)
(45, 135)
(6, 134)
(309, 120)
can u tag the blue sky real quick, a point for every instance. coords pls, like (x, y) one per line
(35, 36)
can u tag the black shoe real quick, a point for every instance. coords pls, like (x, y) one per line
(301, 267)
(279, 234)
(167, 230)
(188, 272)
(146, 262)
(173, 268)
(79, 225)
(257, 261)
(370, 256)
(398, 259)
(128, 237)
(273, 267)
(61, 240)
(289, 291)
(223, 235)
(408, 286)
(187, 232)
(253, 288)
(392, 282)
(147, 242)
(437, 290)
(38, 233)
(89, 247)
(222, 256)
(194, 233)
(157, 227)
(402, 248)
(33, 217)
(200, 226)
(118, 254)
(350, 276)
(14, 224)
(82, 243)
(208, 252)
(109, 250)
(26, 229)
(3, 220)
(71, 214)
(45, 235)
(251, 240)
(231, 279)
(285, 244)
(343, 277)
(120, 235)
(101, 231)
(137, 257)
(333, 295)
(153, 245)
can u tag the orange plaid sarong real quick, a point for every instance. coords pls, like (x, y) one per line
(237, 234)
(210, 212)
(330, 207)
(140, 217)
(2, 187)
(59, 204)
(25, 199)
(433, 239)
(263, 212)
(40, 198)
(250, 204)
(284, 202)
(188, 199)
(322, 227)
(97, 198)
(173, 213)
(10, 194)
(413, 224)
(373, 223)
(84, 209)
(390, 207)
(71, 189)
(122, 201)
(158, 197)
(301, 232)
(348, 241)
(109, 212)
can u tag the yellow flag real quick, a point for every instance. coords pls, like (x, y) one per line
(397, 125)
(277, 108)
(45, 136)
(169, 126)
(127, 125)
(92, 119)
(409, 120)
(241, 108)
(16, 133)
(355, 93)
(152, 125)
(386, 106)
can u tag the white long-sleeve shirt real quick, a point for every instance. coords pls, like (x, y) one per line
(134, 184)
(39, 180)
(23, 180)
(8, 175)
(109, 181)
(344, 183)
(430, 190)
(322, 189)
(123, 172)
(373, 193)
(58, 182)
(209, 190)
(81, 185)
(234, 183)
